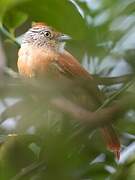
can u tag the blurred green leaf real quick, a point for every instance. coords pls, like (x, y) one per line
(62, 15)
(50, 144)
(125, 171)
(5, 5)
(14, 19)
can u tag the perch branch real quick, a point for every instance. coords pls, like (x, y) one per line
(113, 80)
(97, 118)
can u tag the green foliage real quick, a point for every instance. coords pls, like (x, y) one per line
(5, 5)
(43, 142)
(58, 14)
(14, 19)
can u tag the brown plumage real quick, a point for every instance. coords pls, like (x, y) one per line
(42, 48)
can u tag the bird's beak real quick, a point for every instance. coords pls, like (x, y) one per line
(64, 37)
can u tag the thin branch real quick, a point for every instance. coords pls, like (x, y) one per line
(8, 35)
(113, 80)
(93, 119)
(27, 170)
(116, 94)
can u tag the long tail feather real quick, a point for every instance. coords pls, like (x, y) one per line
(112, 140)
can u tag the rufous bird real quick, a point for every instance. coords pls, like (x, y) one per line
(43, 48)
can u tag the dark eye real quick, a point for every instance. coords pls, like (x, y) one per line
(47, 34)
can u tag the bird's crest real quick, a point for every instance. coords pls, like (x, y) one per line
(39, 24)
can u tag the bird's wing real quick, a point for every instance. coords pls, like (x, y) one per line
(71, 68)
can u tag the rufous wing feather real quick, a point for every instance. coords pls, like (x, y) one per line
(112, 140)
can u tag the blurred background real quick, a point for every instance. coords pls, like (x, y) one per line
(39, 143)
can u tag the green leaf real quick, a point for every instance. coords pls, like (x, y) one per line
(14, 19)
(62, 15)
(5, 5)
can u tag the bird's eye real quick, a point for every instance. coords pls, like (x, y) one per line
(47, 34)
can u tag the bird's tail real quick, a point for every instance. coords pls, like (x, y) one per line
(112, 140)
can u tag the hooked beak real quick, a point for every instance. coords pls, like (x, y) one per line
(64, 37)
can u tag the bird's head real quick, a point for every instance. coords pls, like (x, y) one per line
(41, 35)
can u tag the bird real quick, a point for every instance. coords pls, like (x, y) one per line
(43, 52)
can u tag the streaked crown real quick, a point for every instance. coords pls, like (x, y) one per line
(41, 35)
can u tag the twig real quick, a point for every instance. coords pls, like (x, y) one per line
(93, 119)
(8, 35)
(27, 170)
(113, 80)
(115, 95)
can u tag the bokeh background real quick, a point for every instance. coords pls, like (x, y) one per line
(40, 143)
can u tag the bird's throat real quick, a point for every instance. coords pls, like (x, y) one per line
(61, 47)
